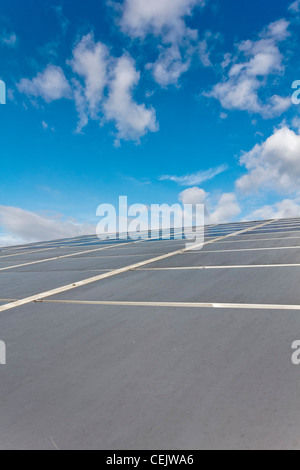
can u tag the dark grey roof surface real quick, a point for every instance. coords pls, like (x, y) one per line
(109, 349)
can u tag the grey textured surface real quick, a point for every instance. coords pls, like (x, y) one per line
(120, 377)
(125, 378)
(238, 258)
(270, 286)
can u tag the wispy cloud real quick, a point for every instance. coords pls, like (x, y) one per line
(8, 38)
(295, 6)
(195, 178)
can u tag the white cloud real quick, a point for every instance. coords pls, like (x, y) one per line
(175, 60)
(250, 68)
(102, 88)
(166, 20)
(193, 196)
(132, 120)
(169, 66)
(90, 61)
(9, 240)
(206, 46)
(107, 91)
(196, 178)
(50, 85)
(158, 17)
(295, 6)
(285, 209)
(225, 210)
(223, 116)
(8, 39)
(274, 164)
(21, 226)
(81, 105)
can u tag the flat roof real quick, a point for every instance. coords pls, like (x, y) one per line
(150, 345)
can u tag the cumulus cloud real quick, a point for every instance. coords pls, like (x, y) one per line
(90, 61)
(166, 20)
(102, 88)
(159, 17)
(195, 178)
(193, 196)
(107, 90)
(288, 208)
(274, 164)
(132, 120)
(225, 210)
(51, 85)
(248, 73)
(20, 226)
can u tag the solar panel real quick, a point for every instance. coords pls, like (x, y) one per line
(149, 345)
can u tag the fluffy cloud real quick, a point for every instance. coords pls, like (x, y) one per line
(249, 70)
(193, 196)
(132, 120)
(50, 85)
(274, 164)
(196, 178)
(107, 90)
(226, 209)
(90, 61)
(102, 88)
(176, 60)
(285, 209)
(158, 17)
(20, 226)
(166, 20)
(169, 66)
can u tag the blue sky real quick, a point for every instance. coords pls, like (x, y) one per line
(161, 100)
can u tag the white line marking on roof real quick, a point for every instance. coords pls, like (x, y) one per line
(25, 253)
(174, 304)
(260, 232)
(249, 266)
(56, 258)
(256, 240)
(252, 249)
(85, 282)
